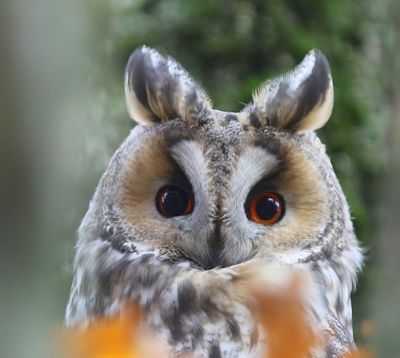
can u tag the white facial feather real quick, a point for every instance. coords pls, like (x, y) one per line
(253, 164)
(188, 155)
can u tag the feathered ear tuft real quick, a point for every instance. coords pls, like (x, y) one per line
(299, 101)
(158, 89)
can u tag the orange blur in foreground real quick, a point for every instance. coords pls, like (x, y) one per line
(116, 337)
(283, 316)
(280, 313)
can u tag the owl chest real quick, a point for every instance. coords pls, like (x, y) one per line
(210, 332)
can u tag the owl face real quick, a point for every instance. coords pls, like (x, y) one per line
(219, 188)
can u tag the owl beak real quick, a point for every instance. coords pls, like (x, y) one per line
(212, 255)
(215, 248)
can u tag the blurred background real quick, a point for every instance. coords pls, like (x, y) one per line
(62, 116)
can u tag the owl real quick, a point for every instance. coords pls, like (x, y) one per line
(197, 201)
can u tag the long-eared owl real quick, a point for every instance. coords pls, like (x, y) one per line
(197, 201)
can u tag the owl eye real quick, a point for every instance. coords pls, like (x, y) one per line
(171, 200)
(266, 208)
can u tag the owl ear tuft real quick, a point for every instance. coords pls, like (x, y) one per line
(158, 89)
(299, 101)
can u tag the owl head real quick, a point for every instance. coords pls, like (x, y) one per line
(219, 188)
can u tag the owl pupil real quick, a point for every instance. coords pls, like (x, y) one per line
(173, 201)
(267, 208)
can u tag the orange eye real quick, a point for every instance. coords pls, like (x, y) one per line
(266, 208)
(171, 200)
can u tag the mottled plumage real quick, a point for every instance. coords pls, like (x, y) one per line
(188, 272)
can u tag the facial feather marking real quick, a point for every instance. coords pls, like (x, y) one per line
(253, 164)
(143, 176)
(291, 174)
(188, 155)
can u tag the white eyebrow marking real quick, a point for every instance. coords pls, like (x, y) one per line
(254, 164)
(189, 156)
